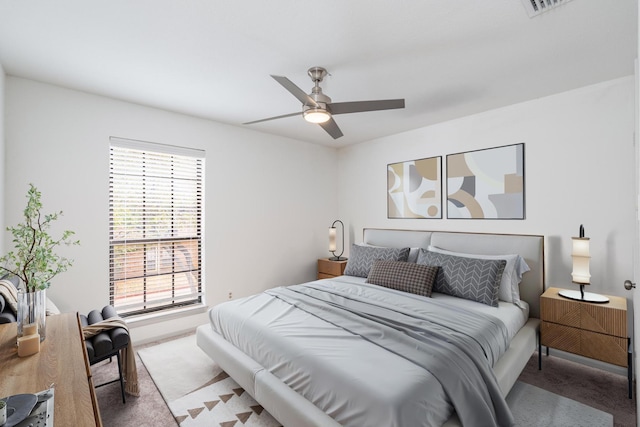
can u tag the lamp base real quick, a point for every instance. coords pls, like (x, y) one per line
(586, 297)
(337, 258)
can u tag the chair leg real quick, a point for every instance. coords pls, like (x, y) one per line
(121, 377)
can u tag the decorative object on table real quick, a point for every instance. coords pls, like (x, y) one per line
(42, 413)
(18, 408)
(3, 412)
(414, 189)
(29, 342)
(486, 184)
(581, 274)
(332, 241)
(34, 261)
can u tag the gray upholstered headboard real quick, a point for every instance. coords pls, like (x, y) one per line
(530, 247)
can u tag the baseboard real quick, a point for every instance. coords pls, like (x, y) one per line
(167, 327)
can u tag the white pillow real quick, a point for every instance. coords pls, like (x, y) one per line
(511, 277)
(51, 308)
(413, 254)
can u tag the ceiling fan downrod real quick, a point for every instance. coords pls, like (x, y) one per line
(317, 74)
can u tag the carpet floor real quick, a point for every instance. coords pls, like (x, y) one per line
(223, 401)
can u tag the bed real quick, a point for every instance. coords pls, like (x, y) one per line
(371, 377)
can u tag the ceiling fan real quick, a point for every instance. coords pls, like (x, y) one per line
(318, 108)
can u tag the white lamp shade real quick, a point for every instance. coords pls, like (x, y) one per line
(581, 257)
(580, 246)
(332, 239)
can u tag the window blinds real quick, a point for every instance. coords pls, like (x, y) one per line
(155, 226)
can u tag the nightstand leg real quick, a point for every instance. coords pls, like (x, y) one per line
(539, 352)
(630, 368)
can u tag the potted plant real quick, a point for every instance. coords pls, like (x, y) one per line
(35, 261)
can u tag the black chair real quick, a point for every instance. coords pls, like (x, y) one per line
(6, 314)
(106, 344)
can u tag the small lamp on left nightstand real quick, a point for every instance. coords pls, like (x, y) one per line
(580, 275)
(332, 241)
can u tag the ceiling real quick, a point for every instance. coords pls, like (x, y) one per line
(213, 58)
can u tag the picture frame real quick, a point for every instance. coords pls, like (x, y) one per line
(414, 189)
(487, 183)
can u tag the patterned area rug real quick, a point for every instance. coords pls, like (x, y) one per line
(199, 393)
(222, 403)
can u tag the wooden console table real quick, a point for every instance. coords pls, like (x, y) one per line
(62, 360)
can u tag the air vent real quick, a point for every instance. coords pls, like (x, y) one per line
(536, 7)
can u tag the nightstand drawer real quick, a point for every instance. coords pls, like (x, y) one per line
(561, 311)
(329, 268)
(602, 347)
(562, 337)
(604, 319)
(610, 319)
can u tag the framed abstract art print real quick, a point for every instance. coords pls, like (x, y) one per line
(414, 189)
(486, 184)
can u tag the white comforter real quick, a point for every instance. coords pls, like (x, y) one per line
(353, 380)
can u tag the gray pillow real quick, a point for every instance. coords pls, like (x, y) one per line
(361, 258)
(469, 278)
(403, 276)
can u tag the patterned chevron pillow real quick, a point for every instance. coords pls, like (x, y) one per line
(361, 258)
(469, 278)
(403, 276)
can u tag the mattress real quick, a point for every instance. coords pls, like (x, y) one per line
(341, 373)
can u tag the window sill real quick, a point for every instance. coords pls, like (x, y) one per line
(161, 316)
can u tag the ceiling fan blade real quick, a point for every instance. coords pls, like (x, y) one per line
(295, 91)
(361, 106)
(273, 118)
(332, 128)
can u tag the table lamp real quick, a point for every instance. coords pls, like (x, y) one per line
(332, 241)
(580, 275)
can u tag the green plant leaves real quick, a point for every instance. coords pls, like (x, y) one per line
(34, 259)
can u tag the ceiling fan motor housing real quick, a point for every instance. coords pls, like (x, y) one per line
(320, 98)
(318, 113)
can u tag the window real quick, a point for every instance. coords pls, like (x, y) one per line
(155, 226)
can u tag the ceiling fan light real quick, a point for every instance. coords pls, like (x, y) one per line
(316, 115)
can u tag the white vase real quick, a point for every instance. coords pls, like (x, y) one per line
(32, 310)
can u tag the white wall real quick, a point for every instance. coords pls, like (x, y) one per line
(269, 200)
(579, 169)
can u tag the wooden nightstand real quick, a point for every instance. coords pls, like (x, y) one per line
(328, 268)
(597, 331)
